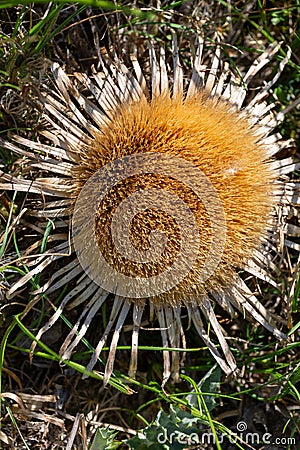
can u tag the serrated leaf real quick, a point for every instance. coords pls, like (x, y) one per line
(210, 383)
(104, 439)
(137, 443)
(162, 419)
(178, 415)
(168, 432)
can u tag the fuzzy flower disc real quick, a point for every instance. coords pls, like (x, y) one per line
(212, 136)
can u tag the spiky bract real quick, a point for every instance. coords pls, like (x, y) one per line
(207, 122)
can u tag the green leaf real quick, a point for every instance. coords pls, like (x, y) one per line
(209, 384)
(171, 432)
(104, 439)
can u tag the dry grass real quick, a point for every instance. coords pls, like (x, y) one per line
(45, 403)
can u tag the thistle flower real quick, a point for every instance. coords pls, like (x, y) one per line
(171, 186)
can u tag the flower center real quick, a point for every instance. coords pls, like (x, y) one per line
(212, 137)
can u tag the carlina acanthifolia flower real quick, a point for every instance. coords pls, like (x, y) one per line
(171, 186)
